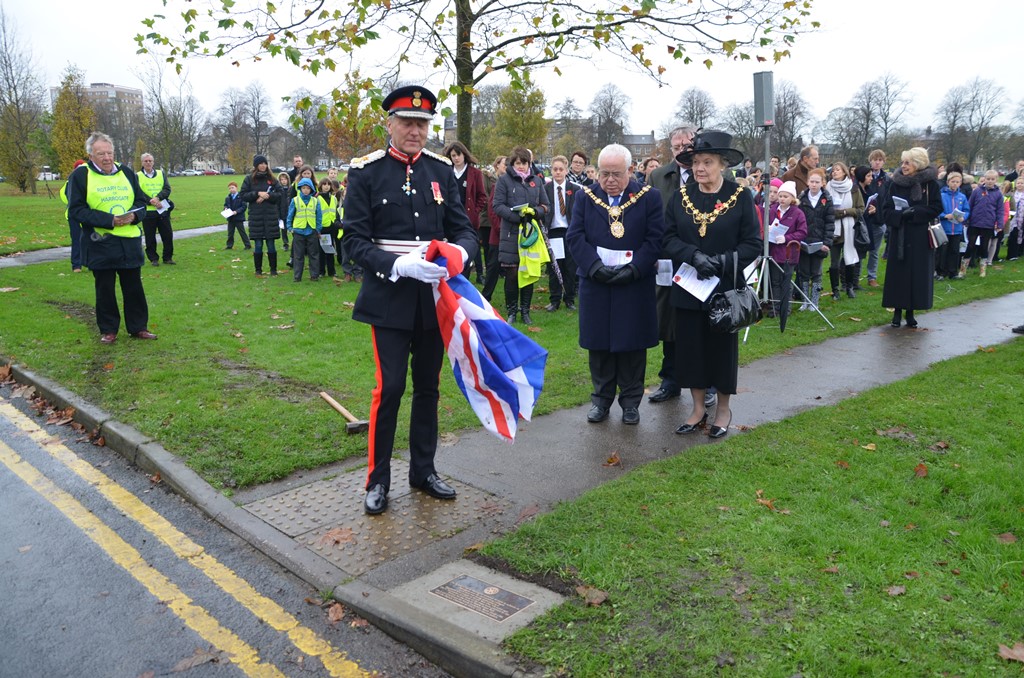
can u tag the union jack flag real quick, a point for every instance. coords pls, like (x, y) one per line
(499, 369)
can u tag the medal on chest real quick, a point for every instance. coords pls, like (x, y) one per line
(615, 225)
(616, 212)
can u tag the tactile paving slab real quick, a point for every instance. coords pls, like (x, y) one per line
(327, 517)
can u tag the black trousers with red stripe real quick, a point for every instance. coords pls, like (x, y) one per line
(392, 350)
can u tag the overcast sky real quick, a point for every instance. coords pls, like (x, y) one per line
(932, 49)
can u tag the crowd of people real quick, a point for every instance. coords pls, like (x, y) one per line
(616, 237)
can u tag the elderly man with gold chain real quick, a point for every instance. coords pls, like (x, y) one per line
(615, 238)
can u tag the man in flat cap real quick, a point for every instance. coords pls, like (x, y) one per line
(398, 200)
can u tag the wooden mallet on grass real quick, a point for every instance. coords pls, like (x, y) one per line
(354, 425)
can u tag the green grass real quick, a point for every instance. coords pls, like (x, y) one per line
(698, 573)
(237, 398)
(35, 222)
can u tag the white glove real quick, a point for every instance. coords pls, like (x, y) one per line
(413, 265)
(465, 254)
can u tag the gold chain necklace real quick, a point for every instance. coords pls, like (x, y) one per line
(705, 219)
(614, 213)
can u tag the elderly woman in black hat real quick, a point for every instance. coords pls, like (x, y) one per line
(705, 222)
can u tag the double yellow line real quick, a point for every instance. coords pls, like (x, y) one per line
(198, 619)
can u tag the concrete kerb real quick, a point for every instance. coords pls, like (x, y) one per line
(455, 649)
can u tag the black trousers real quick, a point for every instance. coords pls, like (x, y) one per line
(237, 225)
(153, 223)
(565, 290)
(947, 258)
(624, 371)
(980, 251)
(136, 311)
(391, 351)
(493, 272)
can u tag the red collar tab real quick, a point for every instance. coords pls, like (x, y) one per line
(402, 157)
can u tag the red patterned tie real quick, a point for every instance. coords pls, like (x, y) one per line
(561, 202)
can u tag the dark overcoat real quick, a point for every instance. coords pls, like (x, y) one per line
(910, 268)
(617, 317)
(734, 230)
(513, 191)
(263, 216)
(101, 251)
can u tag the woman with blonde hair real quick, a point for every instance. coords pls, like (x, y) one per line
(909, 276)
(848, 207)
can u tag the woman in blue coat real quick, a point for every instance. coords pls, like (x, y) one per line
(615, 238)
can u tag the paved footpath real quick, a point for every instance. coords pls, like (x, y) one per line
(405, 570)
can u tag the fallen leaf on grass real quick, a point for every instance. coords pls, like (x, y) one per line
(946, 597)
(896, 590)
(921, 471)
(533, 329)
(883, 523)
(198, 658)
(282, 327)
(910, 526)
(767, 503)
(592, 596)
(956, 571)
(855, 319)
(941, 445)
(339, 535)
(1014, 654)
(843, 464)
(724, 508)
(335, 613)
(613, 460)
(911, 574)
(986, 350)
(830, 570)
(527, 513)
(348, 304)
(871, 447)
(1007, 537)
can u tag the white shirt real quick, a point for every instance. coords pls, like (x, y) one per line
(558, 221)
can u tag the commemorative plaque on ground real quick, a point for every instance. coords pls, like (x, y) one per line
(489, 600)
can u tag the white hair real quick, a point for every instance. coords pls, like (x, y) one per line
(93, 138)
(146, 155)
(615, 151)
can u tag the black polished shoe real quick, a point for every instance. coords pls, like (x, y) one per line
(597, 414)
(631, 416)
(690, 428)
(527, 320)
(663, 394)
(436, 487)
(710, 399)
(551, 308)
(376, 500)
(569, 306)
(720, 431)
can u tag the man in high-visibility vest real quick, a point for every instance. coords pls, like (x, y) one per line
(105, 198)
(155, 186)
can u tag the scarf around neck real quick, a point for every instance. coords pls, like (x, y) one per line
(915, 181)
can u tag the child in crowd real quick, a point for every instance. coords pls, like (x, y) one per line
(329, 210)
(784, 248)
(1015, 229)
(305, 221)
(955, 211)
(997, 239)
(236, 222)
(284, 185)
(820, 215)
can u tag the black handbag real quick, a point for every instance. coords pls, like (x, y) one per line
(734, 309)
(861, 237)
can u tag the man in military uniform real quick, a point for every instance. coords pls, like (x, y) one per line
(154, 184)
(398, 200)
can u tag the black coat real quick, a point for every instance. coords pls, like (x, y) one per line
(821, 220)
(736, 230)
(377, 207)
(102, 251)
(617, 317)
(263, 216)
(910, 270)
(511, 191)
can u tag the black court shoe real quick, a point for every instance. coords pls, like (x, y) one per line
(690, 428)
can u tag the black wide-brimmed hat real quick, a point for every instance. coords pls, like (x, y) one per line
(712, 141)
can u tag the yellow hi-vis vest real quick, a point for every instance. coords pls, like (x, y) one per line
(305, 213)
(151, 186)
(113, 194)
(328, 209)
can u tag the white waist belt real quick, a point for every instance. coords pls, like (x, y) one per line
(397, 246)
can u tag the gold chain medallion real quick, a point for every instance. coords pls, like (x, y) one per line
(615, 224)
(705, 219)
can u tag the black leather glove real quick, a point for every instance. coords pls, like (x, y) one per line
(625, 275)
(908, 215)
(601, 273)
(707, 267)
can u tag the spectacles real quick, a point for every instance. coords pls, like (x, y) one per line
(605, 174)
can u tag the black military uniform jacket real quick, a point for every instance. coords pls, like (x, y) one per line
(378, 206)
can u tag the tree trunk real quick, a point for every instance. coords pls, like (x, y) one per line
(464, 72)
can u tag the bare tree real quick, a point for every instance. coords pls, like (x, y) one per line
(21, 107)
(952, 115)
(125, 123)
(864, 102)
(485, 107)
(696, 106)
(984, 104)
(792, 115)
(739, 120)
(176, 122)
(893, 100)
(609, 110)
(258, 112)
(840, 128)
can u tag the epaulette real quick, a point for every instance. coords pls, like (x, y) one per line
(358, 163)
(437, 156)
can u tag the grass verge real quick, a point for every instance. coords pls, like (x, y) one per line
(880, 536)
